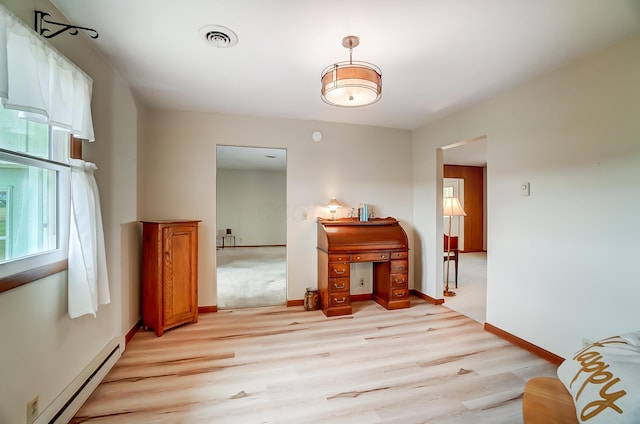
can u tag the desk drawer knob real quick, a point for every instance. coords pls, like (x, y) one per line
(395, 280)
(357, 257)
(399, 294)
(401, 268)
(338, 271)
(341, 286)
(344, 299)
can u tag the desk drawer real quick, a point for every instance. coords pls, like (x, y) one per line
(339, 299)
(339, 258)
(338, 270)
(370, 257)
(399, 294)
(398, 267)
(399, 255)
(399, 281)
(339, 284)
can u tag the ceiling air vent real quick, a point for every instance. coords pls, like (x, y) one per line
(218, 36)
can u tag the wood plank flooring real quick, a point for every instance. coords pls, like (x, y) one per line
(425, 364)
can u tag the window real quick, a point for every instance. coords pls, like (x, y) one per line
(447, 191)
(34, 194)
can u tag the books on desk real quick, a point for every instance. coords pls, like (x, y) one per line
(364, 212)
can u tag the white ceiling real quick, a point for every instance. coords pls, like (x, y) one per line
(473, 153)
(436, 56)
(250, 158)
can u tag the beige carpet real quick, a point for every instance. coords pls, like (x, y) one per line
(251, 276)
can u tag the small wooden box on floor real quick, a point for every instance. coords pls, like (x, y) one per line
(343, 241)
(169, 274)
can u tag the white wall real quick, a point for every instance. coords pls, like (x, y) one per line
(354, 163)
(253, 204)
(41, 349)
(560, 262)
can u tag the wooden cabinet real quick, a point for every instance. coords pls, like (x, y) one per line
(343, 241)
(169, 274)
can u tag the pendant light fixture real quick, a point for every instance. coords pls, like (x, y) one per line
(351, 84)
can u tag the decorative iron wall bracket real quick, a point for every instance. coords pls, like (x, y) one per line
(41, 18)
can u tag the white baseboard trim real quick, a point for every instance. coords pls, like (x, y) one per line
(64, 407)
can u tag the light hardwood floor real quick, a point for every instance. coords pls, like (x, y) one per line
(425, 364)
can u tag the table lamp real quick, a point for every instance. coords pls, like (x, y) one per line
(333, 206)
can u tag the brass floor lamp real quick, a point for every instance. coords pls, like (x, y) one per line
(450, 207)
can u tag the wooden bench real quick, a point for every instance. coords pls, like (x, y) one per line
(547, 401)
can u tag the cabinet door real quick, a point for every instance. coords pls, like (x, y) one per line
(179, 274)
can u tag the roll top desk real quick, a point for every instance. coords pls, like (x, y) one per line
(381, 241)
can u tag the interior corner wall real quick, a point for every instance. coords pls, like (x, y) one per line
(253, 204)
(42, 349)
(560, 261)
(355, 163)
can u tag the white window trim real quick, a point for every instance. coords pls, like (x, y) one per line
(26, 263)
(8, 220)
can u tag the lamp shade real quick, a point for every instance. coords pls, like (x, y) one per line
(351, 84)
(451, 207)
(333, 204)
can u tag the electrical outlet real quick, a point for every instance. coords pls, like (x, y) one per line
(362, 281)
(32, 410)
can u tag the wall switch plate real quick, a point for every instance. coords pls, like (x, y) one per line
(524, 189)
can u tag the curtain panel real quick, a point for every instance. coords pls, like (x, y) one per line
(88, 280)
(41, 83)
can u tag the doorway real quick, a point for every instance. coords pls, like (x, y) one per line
(251, 226)
(464, 176)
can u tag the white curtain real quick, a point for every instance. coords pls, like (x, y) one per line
(88, 280)
(40, 82)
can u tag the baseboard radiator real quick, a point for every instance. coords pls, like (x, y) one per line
(65, 406)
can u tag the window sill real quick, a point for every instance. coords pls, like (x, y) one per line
(17, 280)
